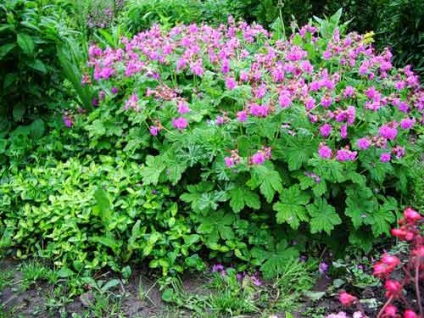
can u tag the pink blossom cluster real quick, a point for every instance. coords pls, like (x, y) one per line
(278, 77)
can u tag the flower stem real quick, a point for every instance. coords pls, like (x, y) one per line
(417, 287)
(384, 307)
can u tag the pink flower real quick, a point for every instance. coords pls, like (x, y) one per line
(225, 68)
(229, 162)
(390, 260)
(182, 107)
(343, 131)
(388, 131)
(325, 130)
(393, 288)
(230, 83)
(261, 91)
(410, 314)
(349, 91)
(390, 311)
(385, 157)
(363, 143)
(407, 123)
(154, 130)
(324, 151)
(398, 151)
(346, 155)
(258, 110)
(258, 158)
(244, 76)
(411, 215)
(67, 120)
(180, 123)
(132, 102)
(326, 101)
(347, 299)
(242, 116)
(284, 100)
(220, 120)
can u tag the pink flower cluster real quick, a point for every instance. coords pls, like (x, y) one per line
(280, 77)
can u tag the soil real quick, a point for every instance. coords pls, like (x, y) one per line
(36, 301)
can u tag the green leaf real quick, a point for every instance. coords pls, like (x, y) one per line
(18, 111)
(360, 205)
(273, 261)
(291, 206)
(216, 225)
(298, 151)
(152, 170)
(330, 170)
(65, 272)
(240, 197)
(384, 217)
(26, 43)
(268, 180)
(103, 206)
(323, 216)
(38, 66)
(5, 49)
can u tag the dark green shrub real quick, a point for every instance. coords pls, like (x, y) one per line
(29, 33)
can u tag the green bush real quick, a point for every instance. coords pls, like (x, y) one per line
(237, 124)
(87, 215)
(29, 33)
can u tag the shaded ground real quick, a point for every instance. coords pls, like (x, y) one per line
(141, 297)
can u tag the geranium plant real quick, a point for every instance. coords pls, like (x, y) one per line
(266, 140)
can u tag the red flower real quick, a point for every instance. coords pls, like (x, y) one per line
(411, 215)
(393, 288)
(390, 311)
(347, 299)
(409, 314)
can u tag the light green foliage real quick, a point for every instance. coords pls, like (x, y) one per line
(94, 214)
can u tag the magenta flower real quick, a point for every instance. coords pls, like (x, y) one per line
(363, 143)
(258, 110)
(220, 120)
(349, 91)
(114, 90)
(261, 91)
(326, 101)
(242, 116)
(258, 158)
(343, 131)
(154, 130)
(180, 123)
(385, 157)
(346, 155)
(325, 130)
(183, 107)
(67, 121)
(324, 151)
(244, 76)
(229, 162)
(230, 83)
(407, 123)
(388, 131)
(284, 100)
(398, 151)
